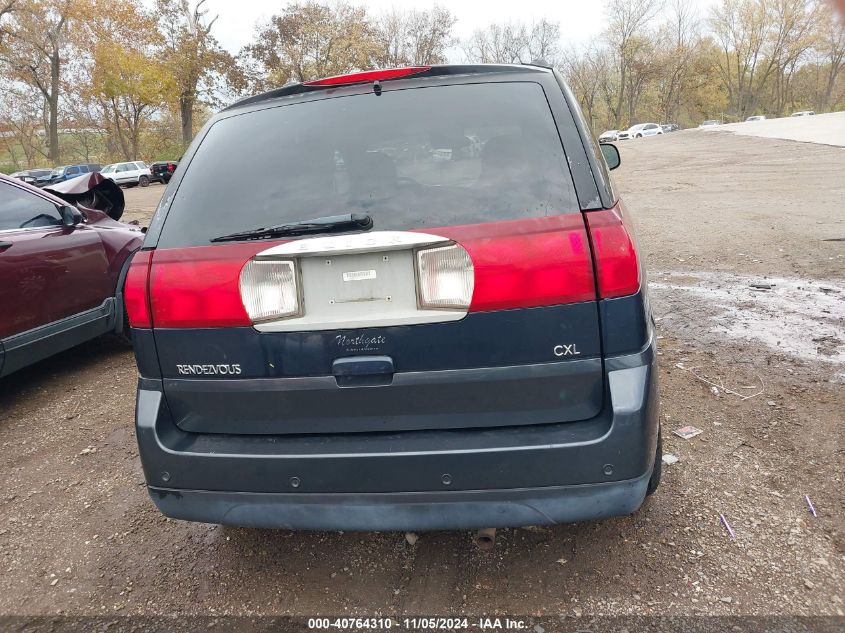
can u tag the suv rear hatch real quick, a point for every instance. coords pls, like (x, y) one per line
(470, 303)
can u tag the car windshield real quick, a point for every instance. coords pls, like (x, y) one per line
(412, 158)
(58, 171)
(634, 128)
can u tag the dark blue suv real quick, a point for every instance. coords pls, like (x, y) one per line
(420, 307)
(66, 172)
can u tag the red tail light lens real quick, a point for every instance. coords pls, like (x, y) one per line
(367, 76)
(617, 265)
(496, 266)
(527, 263)
(199, 286)
(136, 297)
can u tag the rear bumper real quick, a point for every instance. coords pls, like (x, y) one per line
(415, 480)
(406, 511)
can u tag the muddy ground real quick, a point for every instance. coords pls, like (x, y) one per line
(744, 241)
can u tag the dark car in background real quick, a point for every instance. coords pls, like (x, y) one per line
(30, 176)
(67, 172)
(162, 171)
(63, 258)
(371, 329)
(670, 127)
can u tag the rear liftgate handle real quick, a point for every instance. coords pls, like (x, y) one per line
(363, 371)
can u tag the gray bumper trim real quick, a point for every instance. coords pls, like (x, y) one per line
(406, 511)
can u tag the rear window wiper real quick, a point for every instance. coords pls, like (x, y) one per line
(328, 224)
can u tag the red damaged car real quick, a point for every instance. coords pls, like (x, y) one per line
(63, 258)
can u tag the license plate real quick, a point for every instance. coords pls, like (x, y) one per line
(359, 275)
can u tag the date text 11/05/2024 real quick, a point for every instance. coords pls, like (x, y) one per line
(420, 623)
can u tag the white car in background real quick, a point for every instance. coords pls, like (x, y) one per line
(640, 130)
(803, 113)
(756, 117)
(711, 123)
(609, 136)
(128, 174)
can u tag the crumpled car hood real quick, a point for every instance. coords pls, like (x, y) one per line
(91, 191)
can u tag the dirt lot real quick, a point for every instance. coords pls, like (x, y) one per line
(745, 240)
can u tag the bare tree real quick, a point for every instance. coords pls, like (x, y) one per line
(586, 72)
(21, 117)
(192, 54)
(678, 45)
(830, 46)
(310, 40)
(497, 44)
(793, 34)
(741, 29)
(544, 42)
(414, 37)
(514, 43)
(36, 40)
(643, 68)
(627, 22)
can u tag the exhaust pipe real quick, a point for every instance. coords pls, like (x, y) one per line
(485, 539)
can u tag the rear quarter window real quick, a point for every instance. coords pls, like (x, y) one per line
(412, 158)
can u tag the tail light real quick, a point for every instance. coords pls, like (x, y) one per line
(368, 76)
(270, 290)
(200, 286)
(445, 277)
(528, 263)
(135, 291)
(483, 267)
(617, 264)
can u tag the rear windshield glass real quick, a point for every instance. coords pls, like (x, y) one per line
(415, 158)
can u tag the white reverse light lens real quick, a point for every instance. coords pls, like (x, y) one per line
(269, 290)
(446, 277)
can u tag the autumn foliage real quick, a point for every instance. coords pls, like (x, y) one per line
(100, 81)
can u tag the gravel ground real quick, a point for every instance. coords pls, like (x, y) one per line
(744, 240)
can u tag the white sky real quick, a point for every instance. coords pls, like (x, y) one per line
(579, 19)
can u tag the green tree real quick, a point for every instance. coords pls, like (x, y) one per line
(131, 87)
(125, 74)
